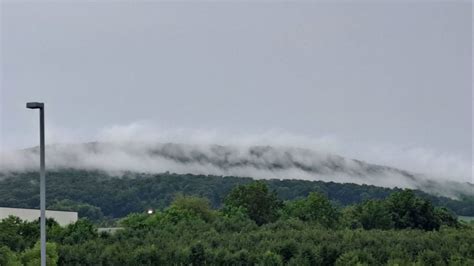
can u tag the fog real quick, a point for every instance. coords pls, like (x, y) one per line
(144, 148)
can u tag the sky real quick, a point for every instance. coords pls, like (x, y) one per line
(387, 82)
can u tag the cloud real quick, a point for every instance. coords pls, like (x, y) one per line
(423, 160)
(143, 131)
(438, 165)
(144, 147)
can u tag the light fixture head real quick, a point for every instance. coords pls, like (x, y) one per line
(34, 105)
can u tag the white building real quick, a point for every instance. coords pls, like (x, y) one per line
(62, 217)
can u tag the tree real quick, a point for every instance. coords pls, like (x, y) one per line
(315, 208)
(17, 234)
(288, 250)
(270, 259)
(134, 220)
(32, 257)
(373, 214)
(195, 206)
(409, 211)
(147, 255)
(198, 255)
(92, 193)
(260, 204)
(445, 217)
(356, 258)
(429, 257)
(8, 257)
(79, 232)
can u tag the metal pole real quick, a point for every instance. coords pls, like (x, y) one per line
(36, 105)
(42, 190)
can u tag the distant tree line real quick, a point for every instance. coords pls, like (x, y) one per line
(100, 197)
(254, 226)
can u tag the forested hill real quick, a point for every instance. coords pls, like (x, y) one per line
(260, 162)
(96, 194)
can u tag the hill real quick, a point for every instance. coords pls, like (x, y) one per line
(96, 194)
(259, 162)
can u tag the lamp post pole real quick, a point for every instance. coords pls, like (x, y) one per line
(36, 105)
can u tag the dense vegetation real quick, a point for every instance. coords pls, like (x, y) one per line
(255, 226)
(99, 197)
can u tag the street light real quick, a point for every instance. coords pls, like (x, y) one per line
(36, 105)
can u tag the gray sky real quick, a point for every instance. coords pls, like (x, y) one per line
(389, 74)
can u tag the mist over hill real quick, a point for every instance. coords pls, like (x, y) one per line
(259, 162)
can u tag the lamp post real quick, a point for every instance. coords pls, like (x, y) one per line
(36, 105)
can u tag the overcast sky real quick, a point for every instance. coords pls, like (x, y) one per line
(390, 74)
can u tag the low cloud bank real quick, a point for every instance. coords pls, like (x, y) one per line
(140, 147)
(437, 165)
(260, 162)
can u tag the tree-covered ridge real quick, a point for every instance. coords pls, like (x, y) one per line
(256, 161)
(96, 195)
(255, 227)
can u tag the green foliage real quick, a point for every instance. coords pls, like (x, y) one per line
(195, 206)
(287, 241)
(255, 228)
(355, 257)
(8, 257)
(17, 234)
(134, 221)
(79, 232)
(84, 210)
(198, 255)
(410, 211)
(269, 259)
(401, 210)
(31, 257)
(445, 217)
(288, 250)
(87, 253)
(372, 214)
(259, 203)
(429, 257)
(95, 194)
(315, 208)
(147, 255)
